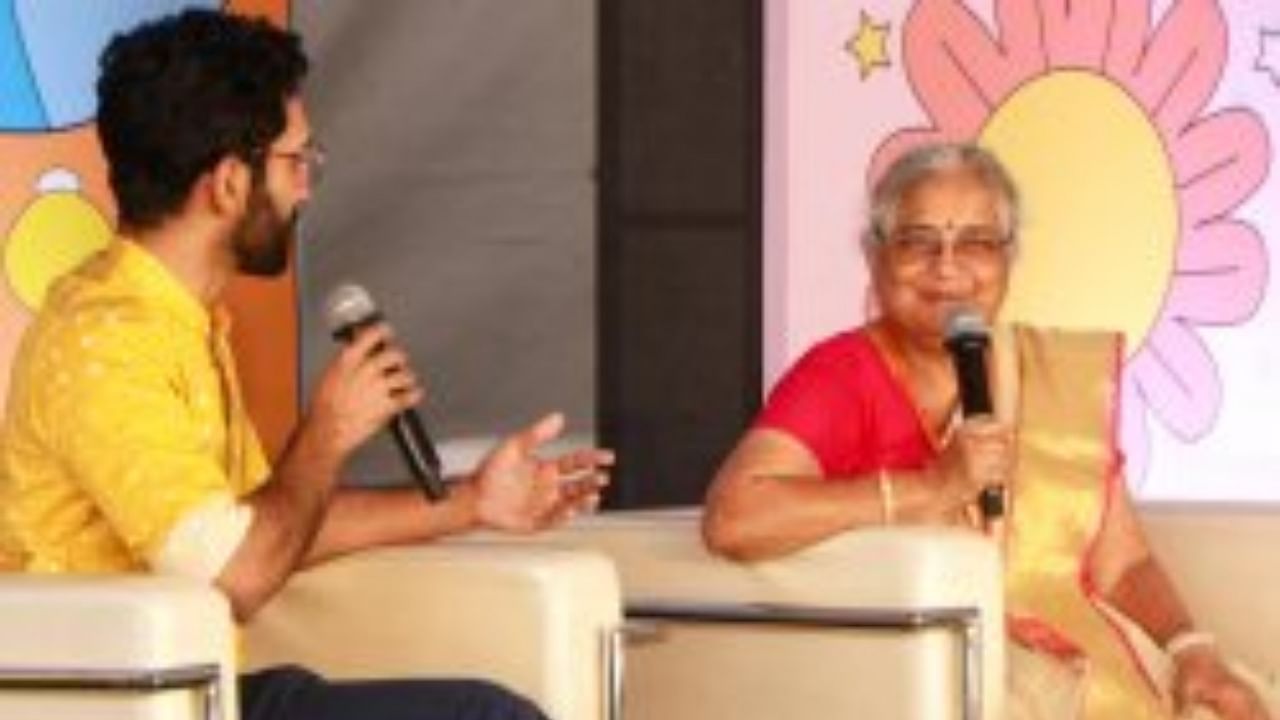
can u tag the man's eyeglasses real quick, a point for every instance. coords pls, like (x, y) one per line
(926, 244)
(310, 157)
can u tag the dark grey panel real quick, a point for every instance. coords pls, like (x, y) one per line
(680, 153)
(682, 352)
(682, 106)
(460, 191)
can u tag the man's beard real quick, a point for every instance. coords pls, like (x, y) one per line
(262, 241)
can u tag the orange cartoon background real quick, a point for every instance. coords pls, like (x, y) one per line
(55, 205)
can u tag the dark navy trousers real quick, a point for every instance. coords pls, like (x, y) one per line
(293, 693)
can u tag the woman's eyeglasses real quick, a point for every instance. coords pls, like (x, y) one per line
(926, 244)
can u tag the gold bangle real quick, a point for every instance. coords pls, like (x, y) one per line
(886, 497)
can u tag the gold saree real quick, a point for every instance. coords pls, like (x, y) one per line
(1066, 385)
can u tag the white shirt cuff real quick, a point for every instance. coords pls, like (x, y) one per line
(202, 542)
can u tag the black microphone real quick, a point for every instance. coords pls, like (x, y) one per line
(349, 310)
(967, 339)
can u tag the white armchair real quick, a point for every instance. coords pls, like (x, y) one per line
(137, 647)
(531, 617)
(869, 623)
(885, 623)
(535, 619)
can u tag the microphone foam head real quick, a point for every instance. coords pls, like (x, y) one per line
(348, 305)
(964, 322)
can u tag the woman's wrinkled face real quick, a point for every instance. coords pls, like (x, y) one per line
(946, 246)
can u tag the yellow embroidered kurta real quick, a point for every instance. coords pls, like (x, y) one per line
(124, 415)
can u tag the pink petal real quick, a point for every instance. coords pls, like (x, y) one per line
(1177, 375)
(1076, 32)
(1182, 64)
(1221, 275)
(1220, 161)
(1021, 35)
(956, 70)
(1128, 39)
(1135, 439)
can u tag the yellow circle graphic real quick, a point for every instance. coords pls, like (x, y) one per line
(1100, 225)
(54, 235)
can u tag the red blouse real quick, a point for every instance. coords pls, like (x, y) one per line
(842, 401)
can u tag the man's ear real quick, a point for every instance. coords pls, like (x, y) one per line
(229, 183)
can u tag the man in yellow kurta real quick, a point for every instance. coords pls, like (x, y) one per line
(126, 445)
(124, 426)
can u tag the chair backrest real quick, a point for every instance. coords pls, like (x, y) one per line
(530, 617)
(870, 624)
(114, 647)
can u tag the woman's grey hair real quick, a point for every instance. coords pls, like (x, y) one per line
(927, 160)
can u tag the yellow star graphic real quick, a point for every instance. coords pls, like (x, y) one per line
(870, 45)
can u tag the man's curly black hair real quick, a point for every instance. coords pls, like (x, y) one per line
(178, 94)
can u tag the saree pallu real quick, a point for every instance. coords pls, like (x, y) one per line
(1070, 660)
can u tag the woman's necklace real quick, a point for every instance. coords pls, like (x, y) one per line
(937, 432)
(937, 419)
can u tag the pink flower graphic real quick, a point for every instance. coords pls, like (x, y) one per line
(1212, 268)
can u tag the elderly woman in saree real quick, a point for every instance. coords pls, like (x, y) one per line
(866, 430)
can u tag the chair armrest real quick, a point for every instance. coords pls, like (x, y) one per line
(135, 646)
(529, 617)
(1221, 559)
(872, 579)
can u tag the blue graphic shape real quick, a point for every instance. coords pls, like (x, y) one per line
(63, 39)
(20, 106)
